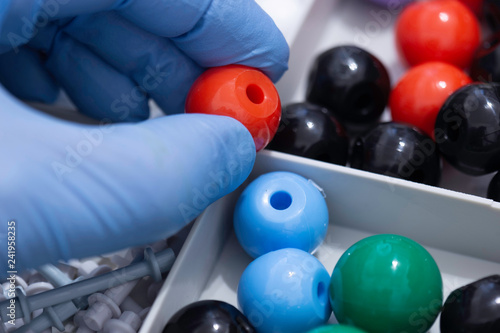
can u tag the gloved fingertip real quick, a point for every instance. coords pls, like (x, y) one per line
(96, 88)
(235, 136)
(240, 143)
(23, 74)
(275, 64)
(206, 145)
(276, 72)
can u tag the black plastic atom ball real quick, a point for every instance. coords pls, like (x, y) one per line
(467, 129)
(485, 65)
(397, 150)
(474, 308)
(352, 83)
(208, 316)
(491, 14)
(311, 131)
(494, 188)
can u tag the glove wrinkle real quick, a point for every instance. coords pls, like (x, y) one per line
(97, 89)
(245, 30)
(155, 64)
(166, 18)
(31, 82)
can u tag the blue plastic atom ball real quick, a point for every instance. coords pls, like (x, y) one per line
(280, 210)
(285, 291)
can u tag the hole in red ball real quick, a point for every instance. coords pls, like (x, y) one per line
(281, 200)
(255, 94)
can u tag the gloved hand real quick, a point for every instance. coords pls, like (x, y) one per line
(78, 190)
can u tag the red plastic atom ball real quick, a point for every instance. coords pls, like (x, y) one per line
(240, 92)
(418, 96)
(438, 30)
(475, 5)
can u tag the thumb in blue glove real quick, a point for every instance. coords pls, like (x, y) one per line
(80, 190)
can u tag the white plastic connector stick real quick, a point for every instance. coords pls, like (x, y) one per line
(21, 283)
(3, 295)
(126, 257)
(78, 321)
(70, 271)
(84, 329)
(129, 304)
(7, 287)
(69, 327)
(153, 291)
(59, 279)
(99, 270)
(129, 322)
(54, 275)
(152, 265)
(17, 323)
(36, 288)
(36, 277)
(105, 306)
(83, 267)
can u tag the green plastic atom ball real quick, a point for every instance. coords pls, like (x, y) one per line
(386, 284)
(336, 329)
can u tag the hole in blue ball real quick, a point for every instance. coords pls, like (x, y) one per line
(322, 296)
(281, 200)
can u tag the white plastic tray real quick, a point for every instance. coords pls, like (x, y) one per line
(460, 229)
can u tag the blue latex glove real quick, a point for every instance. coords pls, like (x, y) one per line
(78, 190)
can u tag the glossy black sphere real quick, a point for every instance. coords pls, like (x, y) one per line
(310, 131)
(485, 66)
(474, 308)
(397, 150)
(207, 317)
(491, 13)
(350, 82)
(467, 129)
(494, 188)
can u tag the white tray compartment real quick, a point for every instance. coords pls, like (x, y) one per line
(460, 230)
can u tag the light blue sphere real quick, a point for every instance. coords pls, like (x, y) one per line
(285, 291)
(280, 210)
